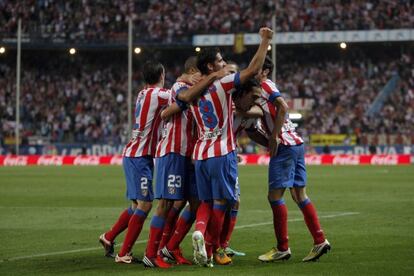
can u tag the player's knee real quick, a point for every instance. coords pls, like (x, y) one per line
(145, 206)
(293, 195)
(179, 204)
(276, 194)
(134, 205)
(164, 206)
(300, 194)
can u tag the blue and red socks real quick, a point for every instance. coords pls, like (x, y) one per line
(155, 235)
(120, 225)
(204, 212)
(170, 223)
(183, 226)
(134, 229)
(228, 227)
(280, 223)
(215, 226)
(312, 221)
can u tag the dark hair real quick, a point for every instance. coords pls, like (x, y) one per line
(230, 62)
(246, 87)
(152, 71)
(190, 63)
(206, 56)
(268, 64)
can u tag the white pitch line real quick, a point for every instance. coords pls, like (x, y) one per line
(297, 219)
(144, 241)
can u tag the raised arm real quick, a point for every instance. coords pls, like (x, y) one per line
(190, 78)
(281, 111)
(256, 63)
(196, 90)
(258, 137)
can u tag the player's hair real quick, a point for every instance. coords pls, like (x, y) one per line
(268, 64)
(246, 87)
(230, 62)
(152, 71)
(206, 56)
(190, 64)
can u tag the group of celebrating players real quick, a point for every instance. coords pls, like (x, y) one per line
(191, 132)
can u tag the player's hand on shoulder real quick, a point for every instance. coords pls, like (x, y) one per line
(266, 33)
(195, 78)
(184, 78)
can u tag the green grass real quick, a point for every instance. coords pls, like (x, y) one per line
(50, 210)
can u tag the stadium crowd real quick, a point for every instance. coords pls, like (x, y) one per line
(344, 91)
(85, 101)
(64, 107)
(177, 20)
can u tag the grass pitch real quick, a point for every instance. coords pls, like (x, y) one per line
(51, 218)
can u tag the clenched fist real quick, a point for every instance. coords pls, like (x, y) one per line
(266, 33)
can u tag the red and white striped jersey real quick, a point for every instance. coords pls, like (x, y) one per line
(179, 133)
(213, 114)
(146, 131)
(288, 135)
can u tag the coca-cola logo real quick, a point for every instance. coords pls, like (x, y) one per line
(50, 160)
(346, 160)
(16, 161)
(384, 160)
(86, 160)
(313, 160)
(116, 160)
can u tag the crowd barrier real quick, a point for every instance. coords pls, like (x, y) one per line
(244, 159)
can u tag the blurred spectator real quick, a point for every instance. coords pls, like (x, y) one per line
(84, 100)
(344, 90)
(177, 20)
(372, 149)
(326, 149)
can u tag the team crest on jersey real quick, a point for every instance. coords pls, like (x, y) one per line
(171, 190)
(212, 89)
(144, 192)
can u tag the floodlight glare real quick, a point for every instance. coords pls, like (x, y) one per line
(342, 45)
(197, 49)
(2, 50)
(72, 51)
(137, 50)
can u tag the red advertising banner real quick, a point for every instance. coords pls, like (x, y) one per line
(245, 159)
(343, 159)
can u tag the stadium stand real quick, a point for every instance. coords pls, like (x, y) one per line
(81, 100)
(175, 20)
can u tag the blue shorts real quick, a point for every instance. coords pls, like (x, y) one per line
(287, 169)
(174, 177)
(217, 178)
(138, 174)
